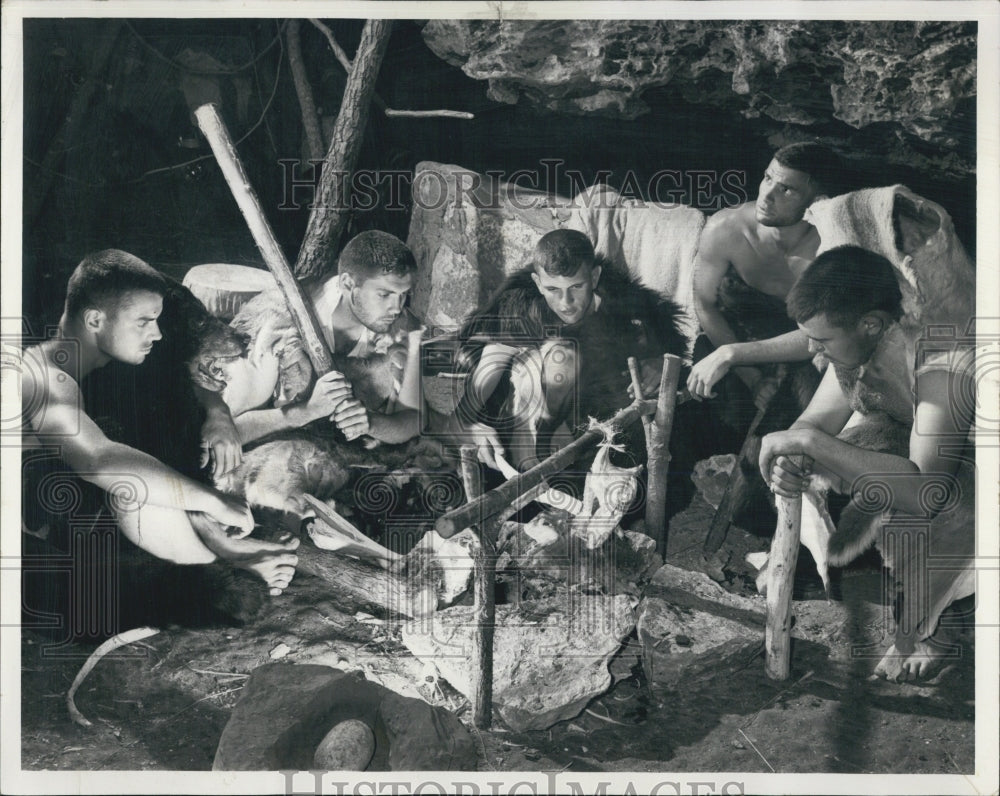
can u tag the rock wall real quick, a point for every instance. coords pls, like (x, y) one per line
(467, 233)
(910, 86)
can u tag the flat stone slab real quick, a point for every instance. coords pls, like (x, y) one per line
(287, 709)
(550, 656)
(692, 630)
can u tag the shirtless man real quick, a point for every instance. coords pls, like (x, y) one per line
(765, 244)
(847, 304)
(113, 300)
(363, 315)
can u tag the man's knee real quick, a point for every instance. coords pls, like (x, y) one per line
(559, 365)
(168, 534)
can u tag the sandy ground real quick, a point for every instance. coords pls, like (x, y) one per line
(162, 703)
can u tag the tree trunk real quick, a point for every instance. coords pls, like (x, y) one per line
(310, 119)
(332, 204)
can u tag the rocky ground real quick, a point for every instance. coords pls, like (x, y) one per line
(162, 704)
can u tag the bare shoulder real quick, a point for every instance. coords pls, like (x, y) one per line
(728, 226)
(44, 384)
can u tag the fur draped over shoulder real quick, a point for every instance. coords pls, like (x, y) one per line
(633, 319)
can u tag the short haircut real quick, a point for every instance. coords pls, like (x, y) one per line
(562, 252)
(374, 253)
(104, 278)
(816, 160)
(845, 284)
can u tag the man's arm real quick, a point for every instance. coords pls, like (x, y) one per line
(115, 467)
(494, 360)
(328, 393)
(220, 439)
(711, 263)
(937, 420)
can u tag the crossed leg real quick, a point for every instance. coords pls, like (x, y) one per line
(195, 538)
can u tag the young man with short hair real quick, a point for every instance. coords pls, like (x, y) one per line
(847, 304)
(362, 312)
(748, 259)
(112, 305)
(556, 337)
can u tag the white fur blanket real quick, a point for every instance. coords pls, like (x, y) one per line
(656, 244)
(917, 236)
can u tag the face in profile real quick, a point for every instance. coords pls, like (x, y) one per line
(379, 300)
(127, 332)
(569, 297)
(848, 347)
(784, 196)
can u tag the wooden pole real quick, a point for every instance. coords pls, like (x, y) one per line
(310, 119)
(299, 306)
(484, 618)
(471, 476)
(496, 500)
(332, 206)
(736, 488)
(69, 130)
(484, 601)
(658, 452)
(633, 371)
(780, 576)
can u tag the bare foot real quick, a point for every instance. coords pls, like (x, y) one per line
(276, 569)
(273, 562)
(900, 667)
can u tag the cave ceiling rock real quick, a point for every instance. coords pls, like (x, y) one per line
(916, 75)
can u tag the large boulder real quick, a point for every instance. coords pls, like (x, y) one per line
(467, 232)
(286, 710)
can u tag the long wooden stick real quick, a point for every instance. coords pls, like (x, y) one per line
(736, 488)
(329, 214)
(299, 306)
(633, 371)
(496, 500)
(377, 101)
(781, 573)
(658, 452)
(100, 50)
(484, 602)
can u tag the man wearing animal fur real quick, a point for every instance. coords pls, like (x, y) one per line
(362, 312)
(748, 258)
(551, 347)
(113, 303)
(848, 304)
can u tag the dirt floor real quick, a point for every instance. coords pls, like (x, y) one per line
(163, 703)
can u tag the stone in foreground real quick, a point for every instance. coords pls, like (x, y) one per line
(550, 656)
(691, 629)
(287, 710)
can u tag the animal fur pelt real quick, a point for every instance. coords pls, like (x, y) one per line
(632, 321)
(317, 460)
(916, 235)
(858, 527)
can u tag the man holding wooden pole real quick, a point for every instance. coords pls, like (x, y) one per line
(848, 304)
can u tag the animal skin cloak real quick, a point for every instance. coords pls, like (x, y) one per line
(631, 320)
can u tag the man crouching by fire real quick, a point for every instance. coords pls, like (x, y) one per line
(371, 394)
(551, 348)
